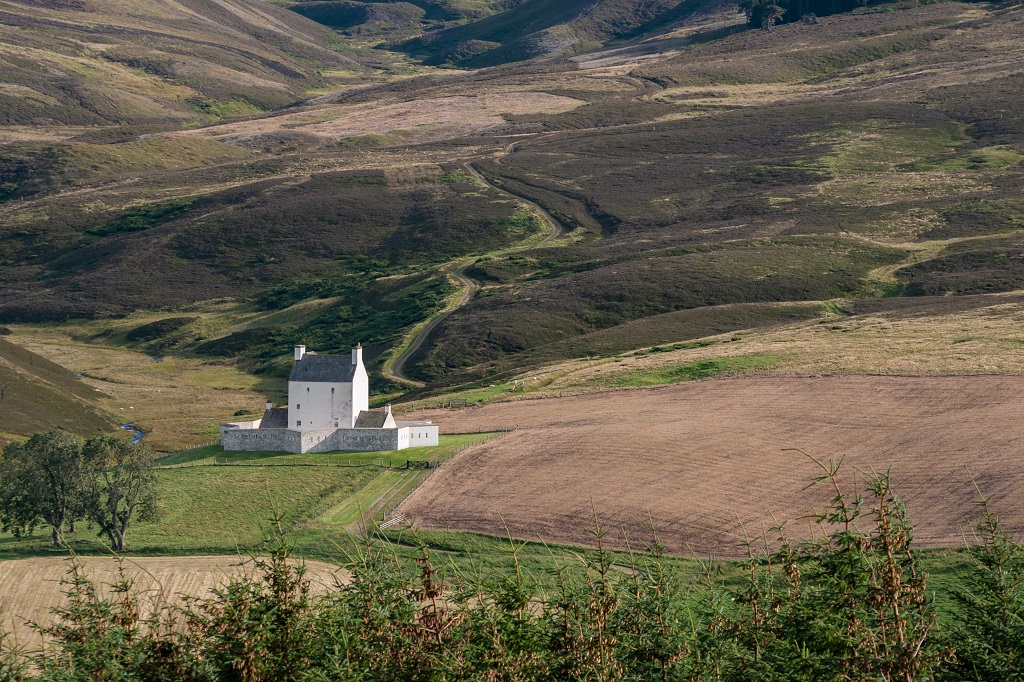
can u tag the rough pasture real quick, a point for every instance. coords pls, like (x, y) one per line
(706, 459)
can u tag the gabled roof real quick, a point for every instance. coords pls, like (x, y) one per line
(327, 368)
(275, 418)
(374, 419)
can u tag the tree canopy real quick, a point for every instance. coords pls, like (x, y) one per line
(55, 480)
(120, 486)
(766, 13)
(41, 483)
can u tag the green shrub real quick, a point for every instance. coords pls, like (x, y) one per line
(853, 604)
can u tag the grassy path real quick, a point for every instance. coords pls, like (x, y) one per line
(469, 289)
(557, 228)
(372, 497)
(396, 368)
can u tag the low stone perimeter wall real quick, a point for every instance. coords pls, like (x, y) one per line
(366, 440)
(261, 440)
(286, 440)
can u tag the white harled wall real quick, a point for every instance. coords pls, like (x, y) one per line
(360, 385)
(248, 438)
(321, 417)
(319, 405)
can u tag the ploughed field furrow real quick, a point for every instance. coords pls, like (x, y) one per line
(708, 461)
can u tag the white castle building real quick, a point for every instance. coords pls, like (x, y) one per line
(328, 409)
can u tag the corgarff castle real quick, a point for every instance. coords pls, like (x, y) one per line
(328, 409)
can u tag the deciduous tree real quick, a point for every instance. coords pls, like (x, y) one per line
(42, 482)
(120, 485)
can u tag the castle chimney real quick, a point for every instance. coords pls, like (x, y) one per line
(270, 406)
(300, 350)
(357, 354)
(387, 408)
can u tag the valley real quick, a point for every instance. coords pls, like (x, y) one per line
(718, 307)
(499, 203)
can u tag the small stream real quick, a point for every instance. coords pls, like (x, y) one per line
(136, 434)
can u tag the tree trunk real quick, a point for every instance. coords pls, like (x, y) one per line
(56, 538)
(116, 533)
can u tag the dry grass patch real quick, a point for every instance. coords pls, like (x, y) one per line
(30, 588)
(985, 340)
(177, 401)
(419, 121)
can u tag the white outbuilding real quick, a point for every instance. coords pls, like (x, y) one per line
(328, 409)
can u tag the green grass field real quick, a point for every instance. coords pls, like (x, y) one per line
(231, 510)
(232, 507)
(374, 496)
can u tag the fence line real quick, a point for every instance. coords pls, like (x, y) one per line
(288, 460)
(194, 447)
(324, 459)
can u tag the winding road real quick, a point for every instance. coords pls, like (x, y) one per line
(470, 288)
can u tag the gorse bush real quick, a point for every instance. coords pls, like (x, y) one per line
(850, 604)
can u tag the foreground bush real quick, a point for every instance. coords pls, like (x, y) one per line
(852, 604)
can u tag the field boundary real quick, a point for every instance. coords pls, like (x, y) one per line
(318, 460)
(285, 461)
(391, 505)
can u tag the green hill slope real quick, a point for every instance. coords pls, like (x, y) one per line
(36, 394)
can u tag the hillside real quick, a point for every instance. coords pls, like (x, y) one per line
(535, 28)
(703, 179)
(390, 20)
(37, 394)
(856, 163)
(87, 63)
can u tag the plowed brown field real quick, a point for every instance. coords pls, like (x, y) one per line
(30, 588)
(706, 457)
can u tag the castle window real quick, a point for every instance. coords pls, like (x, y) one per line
(298, 423)
(298, 407)
(332, 389)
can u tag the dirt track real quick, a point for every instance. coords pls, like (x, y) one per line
(471, 288)
(704, 457)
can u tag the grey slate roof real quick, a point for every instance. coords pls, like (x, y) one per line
(328, 368)
(371, 419)
(275, 418)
